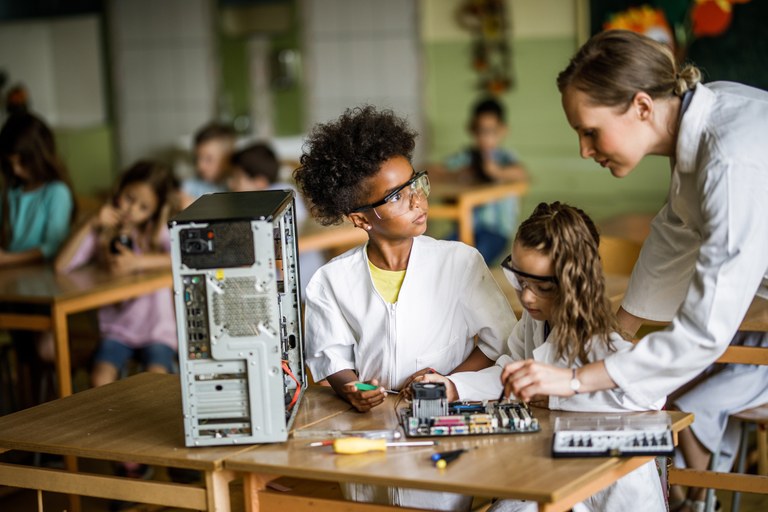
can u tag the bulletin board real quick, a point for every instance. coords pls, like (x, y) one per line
(737, 53)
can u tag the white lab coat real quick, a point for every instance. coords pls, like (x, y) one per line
(527, 341)
(638, 491)
(447, 297)
(707, 254)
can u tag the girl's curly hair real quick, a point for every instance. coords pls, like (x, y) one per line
(581, 310)
(341, 155)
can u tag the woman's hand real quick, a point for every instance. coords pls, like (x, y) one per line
(526, 379)
(451, 393)
(363, 401)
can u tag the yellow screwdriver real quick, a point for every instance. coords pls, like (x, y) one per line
(352, 445)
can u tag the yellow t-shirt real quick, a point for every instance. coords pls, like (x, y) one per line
(387, 282)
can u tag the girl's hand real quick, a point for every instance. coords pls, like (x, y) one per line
(405, 390)
(451, 393)
(364, 401)
(109, 217)
(124, 262)
(526, 379)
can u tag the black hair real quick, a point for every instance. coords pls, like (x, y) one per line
(257, 160)
(162, 182)
(214, 130)
(341, 155)
(488, 106)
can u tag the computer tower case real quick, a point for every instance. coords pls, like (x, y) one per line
(238, 312)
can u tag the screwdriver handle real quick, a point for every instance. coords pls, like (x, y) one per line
(352, 445)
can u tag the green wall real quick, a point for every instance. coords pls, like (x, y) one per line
(538, 131)
(87, 153)
(287, 102)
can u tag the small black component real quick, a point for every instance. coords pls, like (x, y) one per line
(123, 239)
(428, 390)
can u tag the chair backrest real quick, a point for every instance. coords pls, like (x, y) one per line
(618, 254)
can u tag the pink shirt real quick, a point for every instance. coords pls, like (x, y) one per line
(138, 322)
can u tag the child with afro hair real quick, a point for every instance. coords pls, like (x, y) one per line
(403, 304)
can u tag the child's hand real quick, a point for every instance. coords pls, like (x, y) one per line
(109, 217)
(364, 401)
(527, 379)
(451, 393)
(124, 262)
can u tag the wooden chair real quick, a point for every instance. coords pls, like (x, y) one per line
(618, 254)
(758, 417)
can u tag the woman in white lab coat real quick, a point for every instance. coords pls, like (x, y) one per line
(707, 254)
(402, 304)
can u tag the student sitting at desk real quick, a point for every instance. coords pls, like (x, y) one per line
(555, 269)
(402, 304)
(37, 207)
(487, 162)
(213, 146)
(130, 234)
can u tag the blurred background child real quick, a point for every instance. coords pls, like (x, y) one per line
(37, 208)
(37, 200)
(129, 234)
(213, 146)
(485, 161)
(256, 168)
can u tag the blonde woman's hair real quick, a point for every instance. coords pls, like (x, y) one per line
(615, 65)
(581, 311)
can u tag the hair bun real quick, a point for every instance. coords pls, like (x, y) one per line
(686, 79)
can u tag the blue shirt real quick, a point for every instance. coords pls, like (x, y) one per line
(40, 219)
(498, 217)
(196, 188)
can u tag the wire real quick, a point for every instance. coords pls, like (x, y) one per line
(287, 370)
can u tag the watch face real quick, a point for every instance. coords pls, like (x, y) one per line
(575, 384)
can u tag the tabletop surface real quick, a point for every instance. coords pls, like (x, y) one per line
(40, 284)
(514, 466)
(136, 419)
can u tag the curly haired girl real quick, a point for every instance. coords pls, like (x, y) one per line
(567, 322)
(402, 304)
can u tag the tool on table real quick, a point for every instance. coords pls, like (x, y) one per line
(442, 459)
(364, 386)
(353, 445)
(388, 434)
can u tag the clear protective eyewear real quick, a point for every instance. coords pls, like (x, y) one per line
(544, 287)
(400, 201)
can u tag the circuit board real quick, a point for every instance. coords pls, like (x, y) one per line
(471, 419)
(613, 435)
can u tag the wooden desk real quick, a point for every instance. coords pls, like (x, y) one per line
(511, 466)
(460, 201)
(138, 419)
(80, 290)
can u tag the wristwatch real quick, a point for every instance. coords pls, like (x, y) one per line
(575, 382)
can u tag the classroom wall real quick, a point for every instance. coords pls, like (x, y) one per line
(542, 45)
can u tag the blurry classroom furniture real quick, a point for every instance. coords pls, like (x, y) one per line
(756, 319)
(316, 237)
(485, 470)
(35, 298)
(456, 202)
(138, 419)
